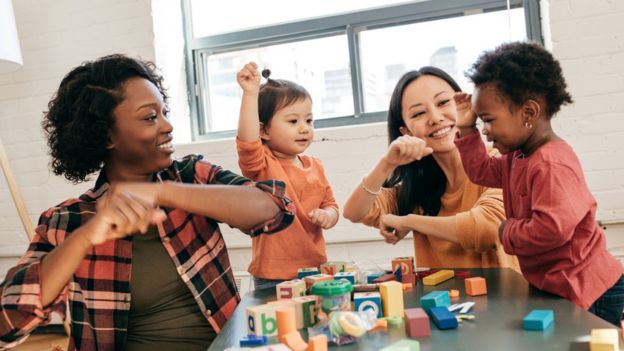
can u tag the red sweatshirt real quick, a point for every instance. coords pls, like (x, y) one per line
(551, 213)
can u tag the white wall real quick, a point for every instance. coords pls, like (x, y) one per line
(587, 36)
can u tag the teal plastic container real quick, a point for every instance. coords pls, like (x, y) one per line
(335, 295)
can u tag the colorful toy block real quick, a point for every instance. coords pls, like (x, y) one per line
(286, 321)
(391, 299)
(438, 277)
(604, 340)
(304, 272)
(333, 267)
(295, 341)
(350, 276)
(311, 279)
(409, 278)
(317, 343)
(365, 287)
(403, 345)
(385, 278)
(261, 320)
(370, 276)
(406, 264)
(254, 340)
(442, 318)
(538, 320)
(475, 286)
(435, 299)
(416, 323)
(381, 326)
(454, 294)
(462, 274)
(421, 274)
(290, 289)
(368, 300)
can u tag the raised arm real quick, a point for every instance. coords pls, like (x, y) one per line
(402, 151)
(249, 123)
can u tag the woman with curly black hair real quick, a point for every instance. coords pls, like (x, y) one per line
(551, 214)
(140, 257)
(419, 185)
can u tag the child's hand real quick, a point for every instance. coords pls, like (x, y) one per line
(406, 149)
(323, 218)
(392, 228)
(466, 117)
(249, 78)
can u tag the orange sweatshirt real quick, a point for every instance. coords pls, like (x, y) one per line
(479, 212)
(278, 256)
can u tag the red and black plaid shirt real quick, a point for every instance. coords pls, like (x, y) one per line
(99, 292)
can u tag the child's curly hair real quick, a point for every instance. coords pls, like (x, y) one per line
(522, 71)
(80, 115)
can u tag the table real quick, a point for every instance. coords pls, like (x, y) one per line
(498, 323)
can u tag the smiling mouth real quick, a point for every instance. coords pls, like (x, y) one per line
(441, 132)
(165, 146)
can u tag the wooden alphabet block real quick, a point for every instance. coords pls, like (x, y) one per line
(308, 306)
(304, 272)
(261, 320)
(406, 264)
(333, 267)
(290, 289)
(350, 276)
(368, 300)
(311, 279)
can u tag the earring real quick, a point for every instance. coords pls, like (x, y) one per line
(528, 125)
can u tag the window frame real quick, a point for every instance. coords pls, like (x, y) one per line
(350, 24)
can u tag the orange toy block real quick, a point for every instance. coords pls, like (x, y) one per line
(286, 322)
(406, 263)
(317, 343)
(333, 267)
(290, 289)
(454, 294)
(380, 326)
(311, 279)
(475, 286)
(438, 277)
(295, 342)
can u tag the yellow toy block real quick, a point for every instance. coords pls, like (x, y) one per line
(438, 277)
(261, 320)
(290, 289)
(391, 298)
(604, 340)
(406, 263)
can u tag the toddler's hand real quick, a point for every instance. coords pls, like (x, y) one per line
(406, 149)
(322, 218)
(466, 117)
(391, 227)
(249, 78)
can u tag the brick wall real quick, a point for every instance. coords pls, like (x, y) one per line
(587, 36)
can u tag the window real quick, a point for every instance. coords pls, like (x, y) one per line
(348, 54)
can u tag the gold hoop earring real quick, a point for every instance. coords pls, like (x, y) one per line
(528, 125)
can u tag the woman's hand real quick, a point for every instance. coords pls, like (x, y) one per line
(393, 228)
(466, 117)
(406, 149)
(249, 79)
(120, 214)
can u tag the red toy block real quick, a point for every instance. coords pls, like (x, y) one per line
(416, 323)
(462, 274)
(475, 286)
(426, 273)
(409, 278)
(384, 278)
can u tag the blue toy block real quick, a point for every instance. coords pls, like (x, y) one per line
(254, 340)
(538, 320)
(443, 318)
(367, 300)
(435, 298)
(373, 276)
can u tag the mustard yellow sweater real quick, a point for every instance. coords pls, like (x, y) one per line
(479, 212)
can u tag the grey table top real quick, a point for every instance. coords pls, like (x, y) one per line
(498, 323)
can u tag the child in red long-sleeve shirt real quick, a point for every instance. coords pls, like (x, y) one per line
(551, 224)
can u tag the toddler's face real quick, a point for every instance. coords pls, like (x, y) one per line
(502, 122)
(291, 130)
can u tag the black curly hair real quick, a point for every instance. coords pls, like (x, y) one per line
(421, 183)
(522, 71)
(276, 94)
(80, 115)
